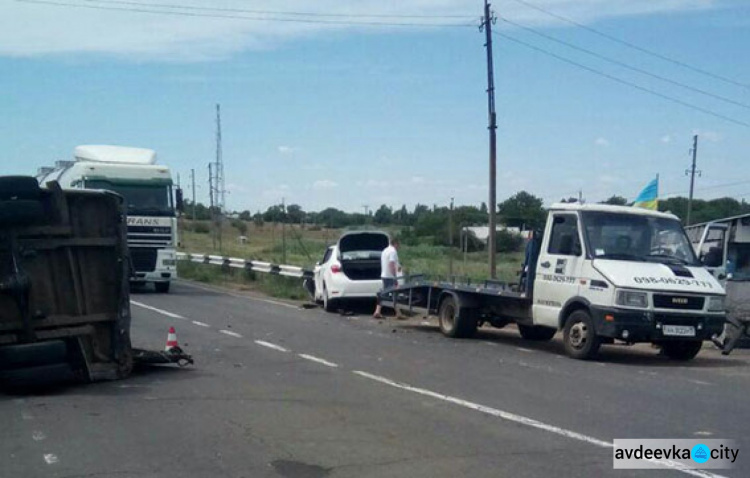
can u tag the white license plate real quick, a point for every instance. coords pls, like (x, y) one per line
(679, 330)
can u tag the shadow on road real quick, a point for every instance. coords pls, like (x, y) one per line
(635, 355)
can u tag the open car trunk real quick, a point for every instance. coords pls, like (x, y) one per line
(360, 254)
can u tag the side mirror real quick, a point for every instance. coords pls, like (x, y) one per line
(179, 202)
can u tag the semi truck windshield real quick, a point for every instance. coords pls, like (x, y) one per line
(147, 200)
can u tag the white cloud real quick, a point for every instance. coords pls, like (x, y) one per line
(601, 142)
(31, 29)
(666, 139)
(286, 150)
(324, 184)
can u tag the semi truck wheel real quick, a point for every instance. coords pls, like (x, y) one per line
(162, 287)
(580, 337)
(536, 333)
(456, 321)
(682, 349)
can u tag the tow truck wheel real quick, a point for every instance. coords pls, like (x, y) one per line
(682, 349)
(536, 333)
(455, 321)
(580, 337)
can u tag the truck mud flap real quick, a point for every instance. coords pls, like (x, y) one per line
(151, 357)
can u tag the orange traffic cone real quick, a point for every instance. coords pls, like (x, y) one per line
(171, 340)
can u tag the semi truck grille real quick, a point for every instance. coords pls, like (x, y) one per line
(144, 259)
(679, 302)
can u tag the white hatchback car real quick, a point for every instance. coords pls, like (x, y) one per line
(350, 269)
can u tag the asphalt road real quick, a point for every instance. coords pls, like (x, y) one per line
(279, 391)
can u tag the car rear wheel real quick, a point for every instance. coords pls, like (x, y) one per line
(329, 304)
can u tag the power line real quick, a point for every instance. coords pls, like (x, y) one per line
(625, 82)
(623, 64)
(634, 46)
(708, 188)
(275, 12)
(262, 18)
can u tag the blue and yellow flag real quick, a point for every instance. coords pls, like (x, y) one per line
(649, 197)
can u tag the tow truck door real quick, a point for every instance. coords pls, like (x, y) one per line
(559, 268)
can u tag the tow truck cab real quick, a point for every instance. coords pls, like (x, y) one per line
(628, 274)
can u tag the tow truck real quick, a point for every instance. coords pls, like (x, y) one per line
(601, 274)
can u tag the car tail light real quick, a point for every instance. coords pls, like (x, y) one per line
(336, 268)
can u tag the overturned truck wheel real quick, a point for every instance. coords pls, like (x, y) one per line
(456, 321)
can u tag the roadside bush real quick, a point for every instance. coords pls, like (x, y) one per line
(201, 228)
(508, 242)
(240, 225)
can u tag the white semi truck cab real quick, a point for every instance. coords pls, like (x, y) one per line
(600, 274)
(148, 192)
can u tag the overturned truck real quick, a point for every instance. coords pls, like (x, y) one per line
(64, 286)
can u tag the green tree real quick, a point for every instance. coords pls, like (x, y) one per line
(383, 215)
(615, 201)
(295, 214)
(522, 210)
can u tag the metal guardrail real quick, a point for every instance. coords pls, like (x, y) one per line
(256, 266)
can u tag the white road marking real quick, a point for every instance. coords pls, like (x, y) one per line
(38, 435)
(159, 311)
(51, 459)
(283, 304)
(200, 324)
(318, 360)
(703, 434)
(271, 346)
(699, 382)
(230, 333)
(27, 416)
(490, 343)
(530, 422)
(524, 350)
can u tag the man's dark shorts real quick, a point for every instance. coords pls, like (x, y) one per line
(388, 282)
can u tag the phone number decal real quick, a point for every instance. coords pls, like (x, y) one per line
(672, 281)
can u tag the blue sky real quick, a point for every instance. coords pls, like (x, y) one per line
(345, 115)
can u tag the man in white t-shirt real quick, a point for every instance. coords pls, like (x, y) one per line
(389, 269)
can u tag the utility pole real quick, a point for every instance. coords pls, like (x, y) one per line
(192, 180)
(580, 196)
(450, 241)
(220, 190)
(212, 212)
(487, 22)
(692, 173)
(283, 231)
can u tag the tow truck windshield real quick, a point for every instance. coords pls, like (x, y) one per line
(634, 237)
(145, 200)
